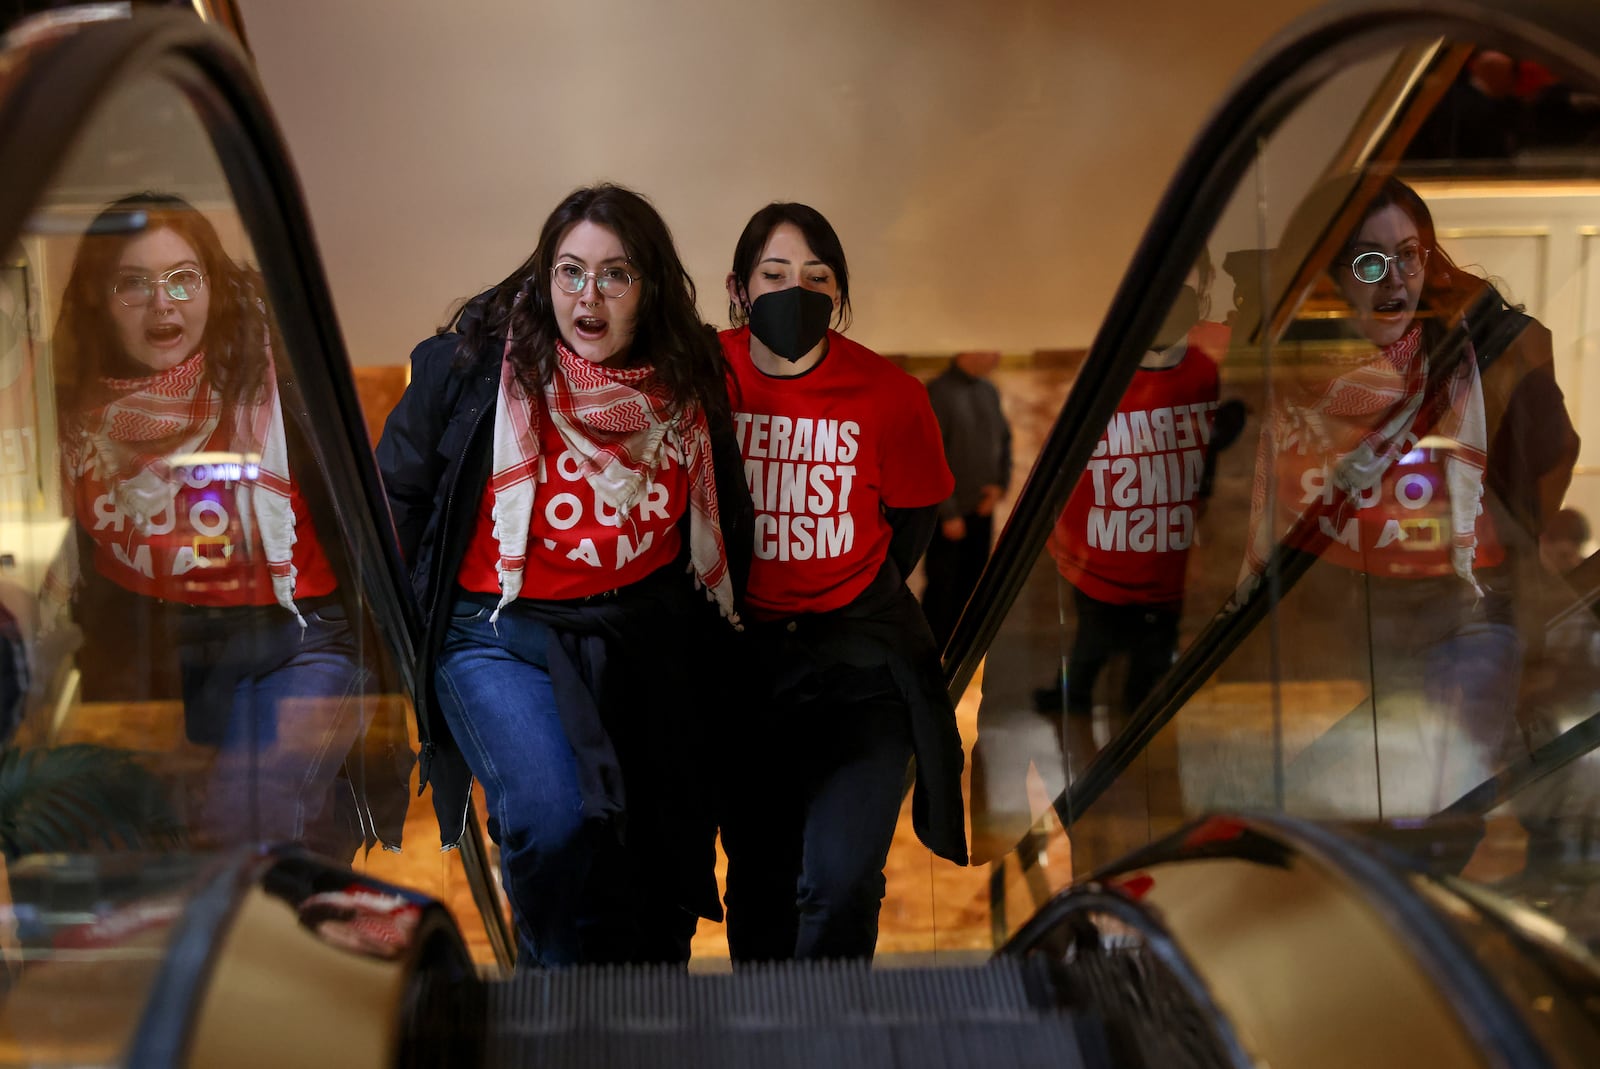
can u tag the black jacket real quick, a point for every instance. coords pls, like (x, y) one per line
(883, 627)
(435, 455)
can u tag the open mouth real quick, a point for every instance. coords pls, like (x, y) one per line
(1388, 309)
(163, 334)
(590, 328)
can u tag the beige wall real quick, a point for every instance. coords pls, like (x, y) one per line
(989, 167)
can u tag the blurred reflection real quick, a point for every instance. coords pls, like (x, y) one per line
(1376, 456)
(193, 527)
(1123, 541)
(19, 487)
(1502, 108)
(351, 912)
(1111, 584)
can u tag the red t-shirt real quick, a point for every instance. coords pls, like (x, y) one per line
(205, 547)
(1400, 528)
(1125, 534)
(577, 544)
(824, 452)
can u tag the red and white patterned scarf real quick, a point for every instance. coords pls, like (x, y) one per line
(1361, 421)
(140, 425)
(616, 421)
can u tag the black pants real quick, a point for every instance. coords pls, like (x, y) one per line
(953, 568)
(811, 791)
(1147, 634)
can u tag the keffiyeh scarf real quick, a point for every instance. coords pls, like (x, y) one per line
(139, 425)
(1361, 422)
(616, 421)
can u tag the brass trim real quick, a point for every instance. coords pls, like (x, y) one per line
(279, 995)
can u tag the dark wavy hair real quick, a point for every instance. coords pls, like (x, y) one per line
(86, 346)
(819, 234)
(668, 334)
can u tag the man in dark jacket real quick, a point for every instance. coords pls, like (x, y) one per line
(977, 445)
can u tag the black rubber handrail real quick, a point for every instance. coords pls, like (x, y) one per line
(78, 72)
(1565, 34)
(1455, 971)
(162, 1038)
(1382, 878)
(1063, 908)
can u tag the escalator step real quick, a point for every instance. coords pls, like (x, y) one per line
(1045, 1044)
(780, 995)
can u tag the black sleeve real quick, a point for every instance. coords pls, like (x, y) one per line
(408, 450)
(734, 505)
(913, 530)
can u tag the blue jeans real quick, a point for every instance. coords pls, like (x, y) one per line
(294, 710)
(1445, 673)
(494, 690)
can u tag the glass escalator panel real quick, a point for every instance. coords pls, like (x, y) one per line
(201, 637)
(1326, 557)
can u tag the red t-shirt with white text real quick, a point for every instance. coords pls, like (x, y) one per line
(577, 544)
(1125, 534)
(824, 452)
(1400, 527)
(205, 547)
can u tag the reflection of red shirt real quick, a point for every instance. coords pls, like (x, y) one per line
(1399, 528)
(204, 548)
(577, 546)
(824, 452)
(1125, 534)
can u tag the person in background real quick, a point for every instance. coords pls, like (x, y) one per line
(977, 446)
(838, 680)
(566, 491)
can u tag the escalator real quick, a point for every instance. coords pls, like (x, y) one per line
(1334, 919)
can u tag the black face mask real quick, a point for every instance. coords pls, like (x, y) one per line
(791, 322)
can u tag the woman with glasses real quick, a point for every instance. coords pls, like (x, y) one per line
(840, 681)
(553, 472)
(194, 533)
(1421, 461)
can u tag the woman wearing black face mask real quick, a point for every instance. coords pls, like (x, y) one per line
(839, 676)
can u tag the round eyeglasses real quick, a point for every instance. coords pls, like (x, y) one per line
(610, 281)
(1373, 267)
(182, 284)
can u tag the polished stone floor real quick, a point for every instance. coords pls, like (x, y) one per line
(933, 908)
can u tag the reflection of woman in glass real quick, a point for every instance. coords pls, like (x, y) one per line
(1375, 460)
(189, 519)
(1110, 587)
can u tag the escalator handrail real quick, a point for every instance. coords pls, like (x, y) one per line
(79, 71)
(1454, 969)
(1384, 882)
(162, 1038)
(1283, 72)
(1156, 937)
